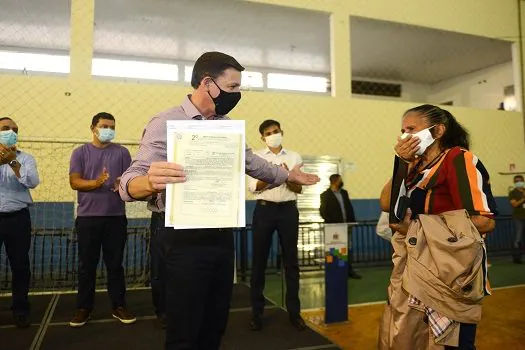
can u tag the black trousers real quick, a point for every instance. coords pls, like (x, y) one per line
(467, 337)
(15, 234)
(267, 218)
(110, 234)
(158, 286)
(349, 249)
(199, 280)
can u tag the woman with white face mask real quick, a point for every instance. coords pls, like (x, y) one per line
(435, 174)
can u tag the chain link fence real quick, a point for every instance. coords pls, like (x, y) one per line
(61, 62)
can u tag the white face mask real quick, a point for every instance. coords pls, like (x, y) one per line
(426, 139)
(274, 140)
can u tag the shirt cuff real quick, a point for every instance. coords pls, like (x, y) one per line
(23, 175)
(123, 188)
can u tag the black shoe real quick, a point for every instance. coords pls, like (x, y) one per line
(80, 319)
(125, 316)
(298, 323)
(354, 275)
(160, 322)
(21, 320)
(256, 323)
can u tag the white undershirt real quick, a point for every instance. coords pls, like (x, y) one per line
(281, 193)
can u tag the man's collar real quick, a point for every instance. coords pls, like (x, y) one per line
(282, 151)
(192, 112)
(189, 108)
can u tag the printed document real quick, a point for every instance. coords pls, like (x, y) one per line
(212, 153)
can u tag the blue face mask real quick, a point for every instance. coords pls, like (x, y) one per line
(8, 138)
(106, 135)
(519, 184)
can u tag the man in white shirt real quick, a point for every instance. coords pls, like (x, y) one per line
(276, 210)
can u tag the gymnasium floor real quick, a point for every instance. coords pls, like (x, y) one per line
(372, 288)
(51, 314)
(502, 327)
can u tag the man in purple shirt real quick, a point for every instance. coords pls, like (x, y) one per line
(101, 222)
(198, 263)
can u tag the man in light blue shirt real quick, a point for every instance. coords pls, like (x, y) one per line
(18, 174)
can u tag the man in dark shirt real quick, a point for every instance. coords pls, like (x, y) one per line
(517, 200)
(336, 208)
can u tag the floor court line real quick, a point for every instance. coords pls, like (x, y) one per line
(509, 287)
(104, 320)
(37, 341)
(144, 318)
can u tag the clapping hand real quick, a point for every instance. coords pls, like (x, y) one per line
(7, 154)
(103, 177)
(116, 185)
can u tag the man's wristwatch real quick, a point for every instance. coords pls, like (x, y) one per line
(13, 163)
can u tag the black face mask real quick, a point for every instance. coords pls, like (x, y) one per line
(225, 101)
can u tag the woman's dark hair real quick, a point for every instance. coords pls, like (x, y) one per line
(455, 133)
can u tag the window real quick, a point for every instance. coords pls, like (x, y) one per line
(376, 89)
(252, 80)
(188, 70)
(135, 69)
(34, 62)
(297, 82)
(509, 102)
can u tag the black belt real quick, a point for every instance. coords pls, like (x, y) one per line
(12, 213)
(268, 203)
(157, 214)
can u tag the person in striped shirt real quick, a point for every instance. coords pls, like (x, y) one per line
(434, 172)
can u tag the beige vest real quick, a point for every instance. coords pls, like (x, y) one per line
(442, 262)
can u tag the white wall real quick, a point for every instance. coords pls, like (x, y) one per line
(482, 89)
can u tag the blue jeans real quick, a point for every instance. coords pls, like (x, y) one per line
(519, 225)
